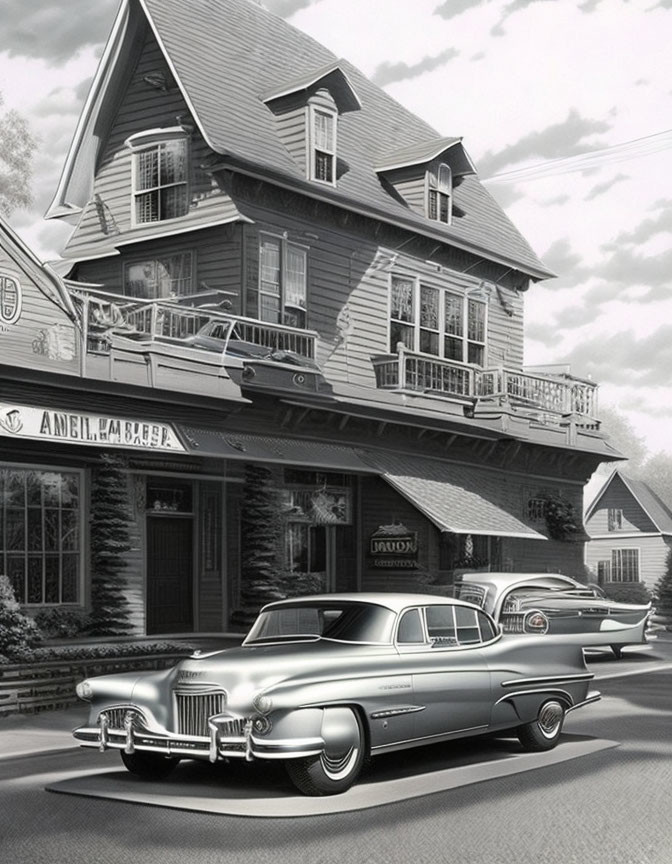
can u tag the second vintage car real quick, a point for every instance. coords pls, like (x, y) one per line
(553, 604)
(324, 682)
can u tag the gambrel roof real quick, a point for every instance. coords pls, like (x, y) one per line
(227, 57)
(657, 511)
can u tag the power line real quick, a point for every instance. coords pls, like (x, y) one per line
(627, 150)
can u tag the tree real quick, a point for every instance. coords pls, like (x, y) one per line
(623, 437)
(662, 593)
(110, 543)
(18, 632)
(260, 530)
(17, 146)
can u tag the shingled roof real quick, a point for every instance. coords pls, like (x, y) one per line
(227, 56)
(656, 509)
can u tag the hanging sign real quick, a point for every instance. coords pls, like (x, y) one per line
(11, 302)
(74, 427)
(394, 547)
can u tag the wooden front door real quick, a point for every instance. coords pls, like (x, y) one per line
(170, 574)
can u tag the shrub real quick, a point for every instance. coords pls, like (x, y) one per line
(100, 651)
(294, 584)
(18, 632)
(59, 623)
(627, 592)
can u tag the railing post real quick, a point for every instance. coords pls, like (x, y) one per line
(401, 373)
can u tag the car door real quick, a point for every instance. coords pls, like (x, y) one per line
(451, 679)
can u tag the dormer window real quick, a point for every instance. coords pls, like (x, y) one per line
(160, 175)
(322, 156)
(439, 194)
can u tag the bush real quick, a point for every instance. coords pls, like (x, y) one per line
(626, 592)
(99, 651)
(301, 584)
(59, 623)
(18, 632)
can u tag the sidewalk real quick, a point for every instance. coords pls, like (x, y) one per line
(23, 734)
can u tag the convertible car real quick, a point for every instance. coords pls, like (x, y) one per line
(550, 603)
(325, 682)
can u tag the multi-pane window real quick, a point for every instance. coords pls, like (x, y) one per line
(439, 195)
(323, 146)
(436, 321)
(625, 565)
(40, 544)
(283, 278)
(160, 181)
(166, 276)
(614, 519)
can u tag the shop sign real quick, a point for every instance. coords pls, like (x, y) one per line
(10, 300)
(394, 547)
(45, 424)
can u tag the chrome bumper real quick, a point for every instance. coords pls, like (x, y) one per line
(213, 747)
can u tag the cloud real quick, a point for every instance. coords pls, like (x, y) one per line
(387, 73)
(452, 8)
(286, 8)
(625, 268)
(54, 32)
(622, 357)
(539, 331)
(560, 258)
(601, 188)
(557, 141)
(662, 224)
(573, 317)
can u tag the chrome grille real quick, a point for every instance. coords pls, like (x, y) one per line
(194, 709)
(513, 622)
(116, 717)
(233, 728)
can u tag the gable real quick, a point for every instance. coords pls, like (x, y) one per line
(36, 329)
(616, 495)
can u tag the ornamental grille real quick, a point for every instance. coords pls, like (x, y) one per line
(194, 709)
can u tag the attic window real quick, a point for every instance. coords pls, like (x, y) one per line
(440, 194)
(322, 145)
(160, 174)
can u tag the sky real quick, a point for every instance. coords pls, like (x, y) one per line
(565, 106)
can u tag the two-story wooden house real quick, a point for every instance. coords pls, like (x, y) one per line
(274, 262)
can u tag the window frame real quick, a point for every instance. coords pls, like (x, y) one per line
(331, 148)
(155, 140)
(614, 518)
(459, 336)
(284, 246)
(619, 569)
(439, 194)
(159, 259)
(83, 492)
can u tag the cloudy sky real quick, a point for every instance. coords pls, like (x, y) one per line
(564, 105)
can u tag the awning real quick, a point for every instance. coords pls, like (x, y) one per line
(222, 444)
(457, 498)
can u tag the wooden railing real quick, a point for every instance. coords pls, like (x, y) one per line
(555, 394)
(105, 313)
(550, 397)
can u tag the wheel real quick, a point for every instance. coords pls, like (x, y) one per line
(618, 651)
(544, 732)
(340, 764)
(149, 766)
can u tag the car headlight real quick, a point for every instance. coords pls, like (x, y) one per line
(261, 725)
(262, 703)
(84, 690)
(536, 622)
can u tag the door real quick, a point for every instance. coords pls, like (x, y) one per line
(170, 574)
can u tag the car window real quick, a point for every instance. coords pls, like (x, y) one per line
(486, 627)
(468, 631)
(410, 627)
(441, 625)
(345, 622)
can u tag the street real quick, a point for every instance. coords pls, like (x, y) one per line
(611, 805)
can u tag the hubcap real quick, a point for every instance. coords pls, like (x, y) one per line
(337, 769)
(550, 718)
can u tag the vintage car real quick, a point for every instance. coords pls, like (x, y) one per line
(325, 682)
(549, 603)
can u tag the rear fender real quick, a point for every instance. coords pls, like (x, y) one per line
(524, 707)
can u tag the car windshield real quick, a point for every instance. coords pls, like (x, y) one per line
(341, 622)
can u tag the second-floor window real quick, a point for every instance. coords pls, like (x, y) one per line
(439, 194)
(283, 269)
(614, 519)
(322, 145)
(160, 181)
(164, 276)
(437, 321)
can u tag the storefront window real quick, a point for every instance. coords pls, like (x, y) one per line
(40, 538)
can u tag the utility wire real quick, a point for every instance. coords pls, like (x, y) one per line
(634, 149)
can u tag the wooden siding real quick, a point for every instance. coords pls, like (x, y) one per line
(409, 183)
(653, 552)
(106, 219)
(135, 572)
(537, 556)
(43, 336)
(617, 496)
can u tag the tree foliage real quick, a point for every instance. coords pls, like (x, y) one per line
(662, 592)
(110, 544)
(17, 146)
(18, 632)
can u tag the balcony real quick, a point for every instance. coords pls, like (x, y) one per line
(545, 397)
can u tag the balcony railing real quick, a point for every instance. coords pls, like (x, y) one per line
(105, 313)
(546, 397)
(409, 371)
